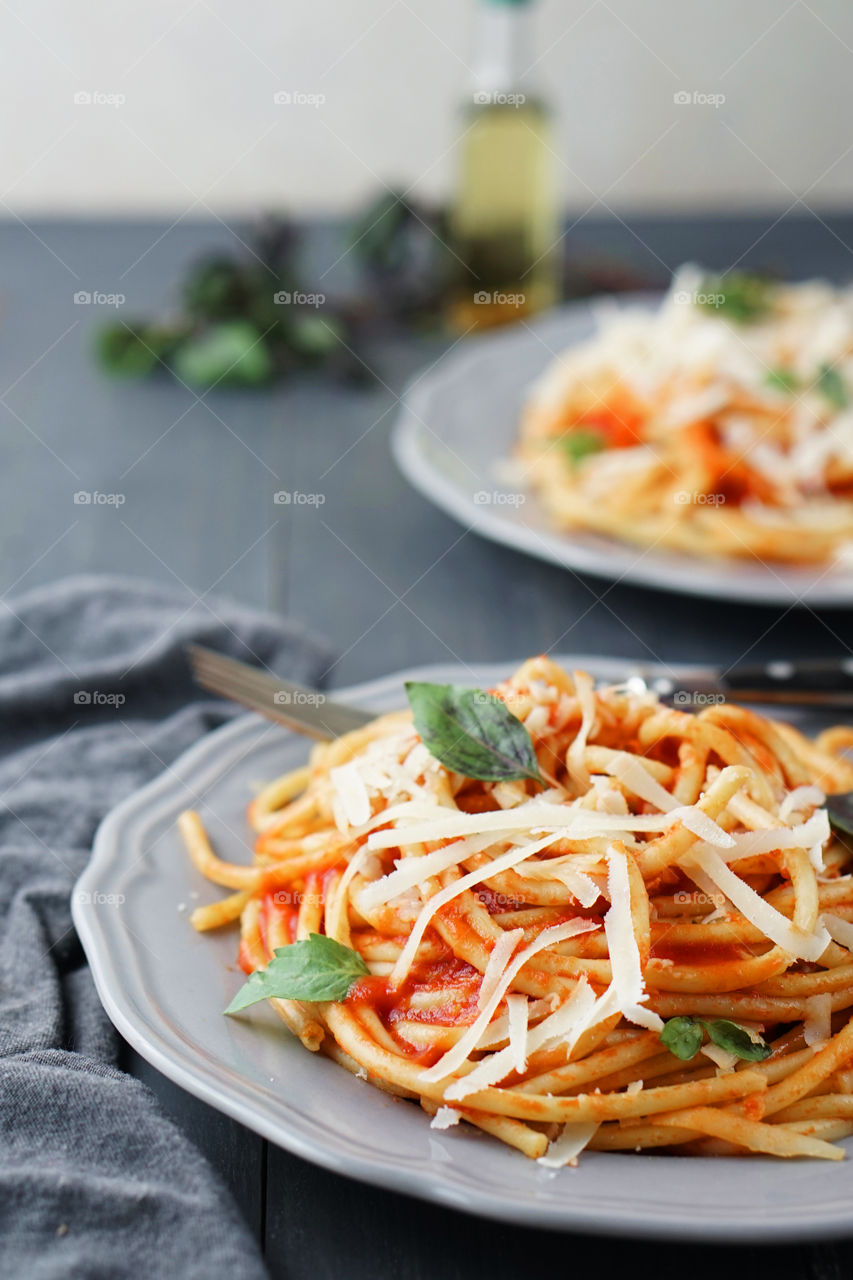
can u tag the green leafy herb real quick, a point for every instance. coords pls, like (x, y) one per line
(737, 296)
(737, 1040)
(683, 1037)
(311, 335)
(318, 968)
(581, 443)
(782, 380)
(831, 385)
(472, 733)
(231, 353)
(136, 349)
(243, 320)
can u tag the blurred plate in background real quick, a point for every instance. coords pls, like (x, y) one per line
(454, 435)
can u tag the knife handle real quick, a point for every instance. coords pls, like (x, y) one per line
(810, 676)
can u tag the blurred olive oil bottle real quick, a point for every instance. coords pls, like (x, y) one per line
(503, 221)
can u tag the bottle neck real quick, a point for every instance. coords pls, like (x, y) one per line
(502, 47)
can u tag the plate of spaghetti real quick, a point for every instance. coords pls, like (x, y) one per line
(701, 441)
(539, 947)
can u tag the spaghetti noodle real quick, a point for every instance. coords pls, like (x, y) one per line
(651, 949)
(720, 424)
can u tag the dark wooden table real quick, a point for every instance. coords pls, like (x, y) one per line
(388, 579)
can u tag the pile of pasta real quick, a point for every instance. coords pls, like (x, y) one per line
(527, 945)
(714, 434)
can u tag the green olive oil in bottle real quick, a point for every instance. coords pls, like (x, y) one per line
(503, 222)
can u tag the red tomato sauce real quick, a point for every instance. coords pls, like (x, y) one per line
(243, 958)
(457, 983)
(702, 953)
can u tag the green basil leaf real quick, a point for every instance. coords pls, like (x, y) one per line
(317, 968)
(737, 296)
(736, 1039)
(135, 350)
(683, 1037)
(782, 380)
(472, 733)
(230, 353)
(831, 385)
(581, 443)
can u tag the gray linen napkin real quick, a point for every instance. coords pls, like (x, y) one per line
(96, 699)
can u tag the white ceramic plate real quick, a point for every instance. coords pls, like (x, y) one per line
(459, 421)
(165, 987)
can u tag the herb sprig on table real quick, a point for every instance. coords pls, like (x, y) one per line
(242, 322)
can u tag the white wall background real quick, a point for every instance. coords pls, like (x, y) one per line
(198, 125)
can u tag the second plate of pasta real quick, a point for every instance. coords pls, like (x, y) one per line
(466, 438)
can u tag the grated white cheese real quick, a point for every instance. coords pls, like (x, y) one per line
(720, 1057)
(445, 1118)
(627, 974)
(817, 1027)
(412, 871)
(465, 1045)
(637, 779)
(800, 799)
(498, 1030)
(567, 1147)
(747, 844)
(536, 721)
(580, 885)
(841, 931)
(518, 1012)
(558, 1027)
(503, 863)
(351, 805)
(574, 822)
(500, 956)
(775, 926)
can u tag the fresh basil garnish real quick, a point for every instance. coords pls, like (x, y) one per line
(782, 380)
(683, 1037)
(472, 733)
(579, 444)
(738, 296)
(831, 385)
(736, 1039)
(318, 968)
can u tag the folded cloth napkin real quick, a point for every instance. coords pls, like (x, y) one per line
(96, 699)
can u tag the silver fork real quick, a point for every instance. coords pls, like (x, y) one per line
(294, 705)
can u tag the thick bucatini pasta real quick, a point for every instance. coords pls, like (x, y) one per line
(720, 423)
(528, 945)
